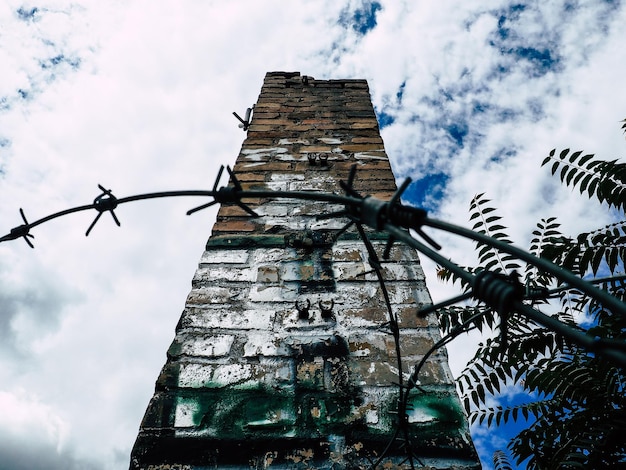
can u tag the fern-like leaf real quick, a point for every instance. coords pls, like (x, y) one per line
(487, 222)
(604, 180)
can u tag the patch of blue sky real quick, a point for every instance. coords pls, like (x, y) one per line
(27, 14)
(51, 69)
(385, 113)
(60, 60)
(500, 113)
(491, 439)
(457, 131)
(362, 19)
(400, 93)
(537, 62)
(512, 13)
(502, 155)
(427, 192)
(536, 54)
(384, 119)
(535, 108)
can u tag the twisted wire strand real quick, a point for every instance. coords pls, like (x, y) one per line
(374, 213)
(395, 219)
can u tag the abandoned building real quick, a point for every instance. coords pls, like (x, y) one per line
(283, 356)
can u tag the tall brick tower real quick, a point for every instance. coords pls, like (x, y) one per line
(283, 356)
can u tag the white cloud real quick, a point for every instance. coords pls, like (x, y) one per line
(31, 419)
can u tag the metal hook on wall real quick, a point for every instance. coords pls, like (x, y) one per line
(326, 308)
(303, 311)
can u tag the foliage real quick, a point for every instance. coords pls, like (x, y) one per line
(575, 411)
(500, 461)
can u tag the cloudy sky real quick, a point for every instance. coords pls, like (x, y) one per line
(138, 95)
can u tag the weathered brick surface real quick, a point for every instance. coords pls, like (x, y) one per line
(283, 356)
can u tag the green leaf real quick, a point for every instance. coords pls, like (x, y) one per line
(592, 186)
(555, 167)
(597, 259)
(570, 176)
(481, 392)
(574, 156)
(578, 177)
(585, 183)
(474, 396)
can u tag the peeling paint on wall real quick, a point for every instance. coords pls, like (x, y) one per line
(282, 357)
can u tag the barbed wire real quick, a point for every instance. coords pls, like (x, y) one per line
(402, 223)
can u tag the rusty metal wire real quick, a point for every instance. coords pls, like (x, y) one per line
(502, 294)
(395, 219)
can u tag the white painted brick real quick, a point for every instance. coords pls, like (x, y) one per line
(420, 415)
(371, 417)
(291, 142)
(347, 251)
(351, 271)
(286, 176)
(229, 374)
(273, 294)
(229, 318)
(277, 185)
(296, 270)
(213, 376)
(196, 375)
(208, 346)
(225, 272)
(330, 140)
(316, 208)
(286, 157)
(329, 224)
(283, 374)
(357, 293)
(272, 255)
(265, 344)
(401, 272)
(212, 295)
(268, 274)
(372, 155)
(313, 184)
(283, 210)
(186, 408)
(293, 223)
(224, 256)
(268, 150)
(407, 293)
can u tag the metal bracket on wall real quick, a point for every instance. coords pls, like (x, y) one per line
(245, 123)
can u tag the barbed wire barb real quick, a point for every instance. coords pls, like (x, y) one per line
(105, 202)
(22, 231)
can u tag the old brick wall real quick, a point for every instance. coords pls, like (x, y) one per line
(282, 357)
